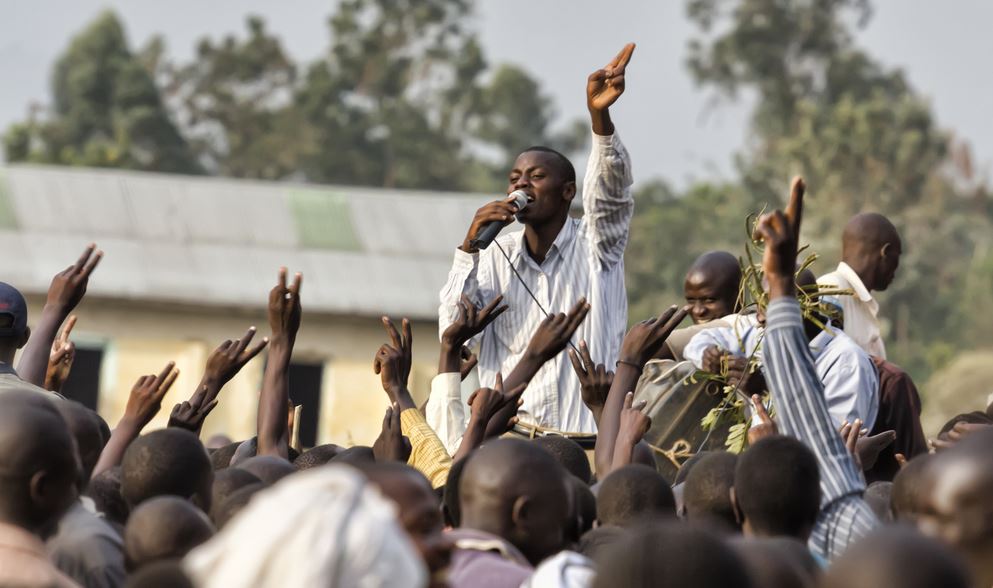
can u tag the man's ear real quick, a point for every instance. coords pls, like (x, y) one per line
(884, 250)
(521, 512)
(24, 338)
(738, 516)
(568, 191)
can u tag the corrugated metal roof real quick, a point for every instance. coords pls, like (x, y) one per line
(215, 241)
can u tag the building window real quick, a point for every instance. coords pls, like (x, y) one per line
(305, 389)
(83, 383)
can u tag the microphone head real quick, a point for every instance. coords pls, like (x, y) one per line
(519, 198)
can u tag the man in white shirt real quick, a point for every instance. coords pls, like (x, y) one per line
(870, 255)
(560, 259)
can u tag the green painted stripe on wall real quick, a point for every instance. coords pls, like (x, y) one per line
(323, 220)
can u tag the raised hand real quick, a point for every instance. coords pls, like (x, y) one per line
(594, 379)
(69, 285)
(60, 358)
(229, 357)
(762, 424)
(393, 361)
(633, 426)
(191, 413)
(499, 210)
(146, 397)
(781, 234)
(605, 86)
(391, 445)
(284, 308)
(644, 339)
(555, 332)
(493, 412)
(471, 321)
(468, 361)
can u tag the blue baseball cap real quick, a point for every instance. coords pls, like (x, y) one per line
(12, 304)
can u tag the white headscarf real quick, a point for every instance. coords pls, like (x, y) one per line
(323, 527)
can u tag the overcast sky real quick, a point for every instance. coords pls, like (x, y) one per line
(672, 129)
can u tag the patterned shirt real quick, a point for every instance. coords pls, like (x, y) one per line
(803, 413)
(586, 259)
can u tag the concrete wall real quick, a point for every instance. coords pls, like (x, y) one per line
(139, 338)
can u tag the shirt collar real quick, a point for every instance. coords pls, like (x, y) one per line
(6, 368)
(566, 235)
(823, 340)
(854, 281)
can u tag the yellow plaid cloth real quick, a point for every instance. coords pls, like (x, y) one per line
(428, 454)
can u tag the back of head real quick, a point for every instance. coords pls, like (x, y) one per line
(583, 507)
(163, 574)
(707, 494)
(568, 453)
(105, 491)
(632, 495)
(769, 565)
(164, 528)
(356, 455)
(687, 467)
(597, 541)
(316, 456)
(776, 486)
(878, 496)
(38, 461)
(227, 482)
(14, 330)
(516, 490)
(327, 526)
(450, 497)
(671, 555)
(871, 246)
(221, 514)
(84, 426)
(897, 556)
(220, 458)
(910, 487)
(268, 468)
(167, 462)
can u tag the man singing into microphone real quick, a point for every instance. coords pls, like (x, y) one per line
(560, 259)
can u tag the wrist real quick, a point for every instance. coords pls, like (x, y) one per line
(55, 310)
(600, 121)
(781, 287)
(401, 395)
(129, 425)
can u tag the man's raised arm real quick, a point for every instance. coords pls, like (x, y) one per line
(797, 392)
(607, 200)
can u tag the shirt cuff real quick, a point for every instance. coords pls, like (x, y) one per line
(783, 313)
(605, 141)
(465, 261)
(447, 387)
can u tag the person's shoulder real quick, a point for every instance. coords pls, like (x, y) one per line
(832, 279)
(10, 382)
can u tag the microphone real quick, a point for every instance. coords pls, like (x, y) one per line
(491, 229)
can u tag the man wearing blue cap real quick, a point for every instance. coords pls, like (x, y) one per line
(14, 334)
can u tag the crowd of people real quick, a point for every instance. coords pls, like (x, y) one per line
(528, 463)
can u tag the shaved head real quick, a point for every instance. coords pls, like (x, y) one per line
(38, 460)
(163, 528)
(871, 246)
(84, 425)
(516, 490)
(897, 556)
(711, 286)
(268, 468)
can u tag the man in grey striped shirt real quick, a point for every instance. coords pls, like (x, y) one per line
(798, 394)
(560, 259)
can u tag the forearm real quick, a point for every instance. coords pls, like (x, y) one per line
(608, 201)
(113, 451)
(525, 370)
(625, 380)
(475, 434)
(462, 281)
(799, 399)
(34, 358)
(428, 454)
(273, 434)
(445, 409)
(601, 123)
(450, 358)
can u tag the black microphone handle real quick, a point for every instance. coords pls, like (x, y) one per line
(486, 235)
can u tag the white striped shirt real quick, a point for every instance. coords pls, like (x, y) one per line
(798, 396)
(586, 259)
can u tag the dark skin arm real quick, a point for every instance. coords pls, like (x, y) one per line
(469, 323)
(594, 380)
(603, 88)
(640, 344)
(487, 414)
(143, 404)
(392, 363)
(634, 423)
(284, 321)
(65, 293)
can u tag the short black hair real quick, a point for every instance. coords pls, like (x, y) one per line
(568, 453)
(227, 482)
(105, 491)
(267, 468)
(633, 494)
(687, 467)
(777, 487)
(220, 458)
(316, 456)
(164, 462)
(450, 509)
(234, 504)
(161, 574)
(707, 493)
(565, 166)
(596, 541)
(583, 508)
(670, 555)
(355, 455)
